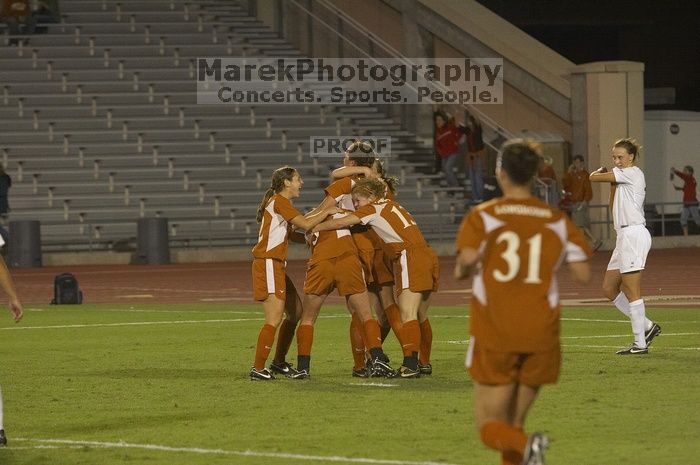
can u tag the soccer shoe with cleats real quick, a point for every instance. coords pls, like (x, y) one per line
(261, 375)
(299, 374)
(282, 368)
(654, 331)
(537, 443)
(378, 368)
(3, 439)
(406, 372)
(360, 373)
(425, 369)
(633, 350)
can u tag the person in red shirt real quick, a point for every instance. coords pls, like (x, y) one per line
(513, 245)
(447, 137)
(270, 254)
(690, 197)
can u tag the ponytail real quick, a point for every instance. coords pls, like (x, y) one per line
(266, 198)
(285, 173)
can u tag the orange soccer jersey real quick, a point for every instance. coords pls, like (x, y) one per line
(272, 238)
(515, 306)
(393, 224)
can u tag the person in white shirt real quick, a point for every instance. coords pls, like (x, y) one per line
(623, 279)
(16, 308)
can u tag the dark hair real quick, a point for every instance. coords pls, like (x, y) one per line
(520, 159)
(441, 114)
(363, 153)
(370, 188)
(391, 182)
(578, 157)
(689, 168)
(631, 145)
(285, 173)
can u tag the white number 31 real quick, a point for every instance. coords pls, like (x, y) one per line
(512, 259)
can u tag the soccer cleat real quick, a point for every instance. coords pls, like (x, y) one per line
(3, 439)
(379, 368)
(406, 372)
(283, 368)
(261, 375)
(537, 443)
(633, 350)
(654, 331)
(425, 369)
(299, 374)
(360, 373)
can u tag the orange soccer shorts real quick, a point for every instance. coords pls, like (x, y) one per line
(494, 367)
(268, 278)
(377, 267)
(417, 269)
(344, 272)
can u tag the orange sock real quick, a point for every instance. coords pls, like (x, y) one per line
(305, 339)
(357, 343)
(504, 437)
(510, 457)
(262, 350)
(393, 314)
(284, 339)
(410, 337)
(426, 342)
(373, 337)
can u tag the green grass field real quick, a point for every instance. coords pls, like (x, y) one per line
(152, 384)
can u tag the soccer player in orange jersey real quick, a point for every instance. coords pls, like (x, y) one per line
(513, 246)
(269, 257)
(17, 311)
(415, 264)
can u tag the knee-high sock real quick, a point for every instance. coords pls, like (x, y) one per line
(638, 318)
(510, 457)
(504, 437)
(262, 350)
(284, 339)
(1, 426)
(357, 342)
(373, 338)
(623, 304)
(410, 337)
(305, 339)
(426, 342)
(393, 314)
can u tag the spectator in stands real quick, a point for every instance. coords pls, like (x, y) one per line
(447, 146)
(690, 197)
(578, 193)
(5, 184)
(547, 181)
(476, 158)
(17, 15)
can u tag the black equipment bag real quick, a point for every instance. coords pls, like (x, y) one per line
(66, 290)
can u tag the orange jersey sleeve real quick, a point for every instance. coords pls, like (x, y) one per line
(393, 224)
(515, 304)
(272, 237)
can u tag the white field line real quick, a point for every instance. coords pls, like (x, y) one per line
(625, 335)
(246, 453)
(590, 346)
(373, 384)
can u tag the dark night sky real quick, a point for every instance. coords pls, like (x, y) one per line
(663, 35)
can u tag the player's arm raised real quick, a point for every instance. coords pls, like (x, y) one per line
(602, 175)
(307, 222)
(338, 223)
(345, 171)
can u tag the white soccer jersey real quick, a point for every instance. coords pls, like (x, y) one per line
(628, 204)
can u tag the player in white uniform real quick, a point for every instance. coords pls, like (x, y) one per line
(623, 279)
(16, 309)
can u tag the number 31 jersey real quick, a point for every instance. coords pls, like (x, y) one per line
(521, 244)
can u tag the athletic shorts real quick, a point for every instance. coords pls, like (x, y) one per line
(377, 267)
(494, 367)
(344, 272)
(417, 269)
(631, 249)
(269, 278)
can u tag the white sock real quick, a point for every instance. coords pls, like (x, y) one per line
(623, 305)
(1, 427)
(637, 317)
